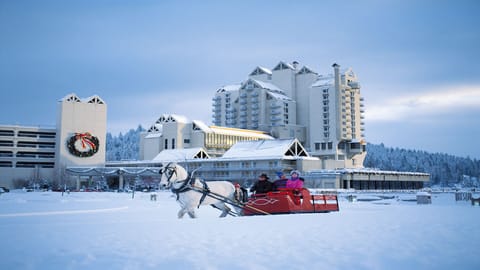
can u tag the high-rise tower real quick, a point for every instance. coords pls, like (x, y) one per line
(324, 112)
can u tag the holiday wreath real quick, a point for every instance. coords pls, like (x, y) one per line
(83, 144)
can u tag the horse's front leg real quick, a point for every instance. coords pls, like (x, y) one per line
(182, 212)
(192, 214)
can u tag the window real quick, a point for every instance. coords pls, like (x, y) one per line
(166, 144)
(186, 140)
(330, 145)
(317, 146)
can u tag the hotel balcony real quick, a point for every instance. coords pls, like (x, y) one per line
(275, 112)
(275, 105)
(275, 118)
(354, 85)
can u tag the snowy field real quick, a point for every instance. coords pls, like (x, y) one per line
(43, 230)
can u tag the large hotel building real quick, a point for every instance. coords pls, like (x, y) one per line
(324, 112)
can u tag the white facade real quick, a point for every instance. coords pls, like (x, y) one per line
(172, 131)
(323, 112)
(77, 117)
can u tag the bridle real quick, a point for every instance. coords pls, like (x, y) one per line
(169, 171)
(187, 184)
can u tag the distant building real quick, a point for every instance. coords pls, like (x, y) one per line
(27, 154)
(37, 156)
(324, 112)
(172, 131)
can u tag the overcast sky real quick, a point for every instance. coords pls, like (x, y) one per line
(418, 62)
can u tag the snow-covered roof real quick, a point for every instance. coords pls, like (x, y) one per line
(283, 65)
(264, 85)
(305, 70)
(260, 70)
(241, 132)
(153, 135)
(278, 95)
(171, 155)
(165, 118)
(200, 125)
(230, 87)
(279, 149)
(324, 80)
(267, 85)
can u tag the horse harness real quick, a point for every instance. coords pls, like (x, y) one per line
(187, 185)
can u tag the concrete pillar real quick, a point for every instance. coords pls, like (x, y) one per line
(78, 183)
(120, 181)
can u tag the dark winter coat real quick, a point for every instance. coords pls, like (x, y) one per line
(280, 183)
(263, 186)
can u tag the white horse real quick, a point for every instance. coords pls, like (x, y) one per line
(193, 192)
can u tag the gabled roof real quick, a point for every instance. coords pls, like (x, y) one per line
(176, 155)
(278, 96)
(71, 98)
(94, 99)
(327, 80)
(306, 70)
(260, 70)
(283, 149)
(230, 87)
(201, 126)
(261, 84)
(167, 118)
(282, 65)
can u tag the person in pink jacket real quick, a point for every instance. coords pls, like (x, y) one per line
(294, 181)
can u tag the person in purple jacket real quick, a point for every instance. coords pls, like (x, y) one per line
(294, 181)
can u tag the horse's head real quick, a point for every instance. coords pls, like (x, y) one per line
(171, 173)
